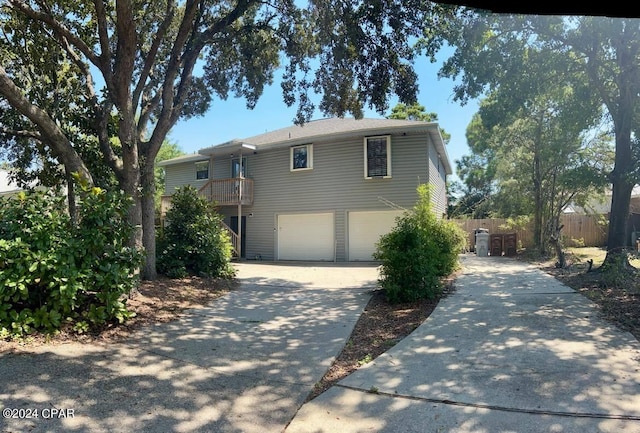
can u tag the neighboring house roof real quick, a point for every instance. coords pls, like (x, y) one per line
(332, 128)
(9, 188)
(6, 185)
(603, 206)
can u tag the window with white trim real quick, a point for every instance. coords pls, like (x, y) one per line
(377, 157)
(202, 170)
(301, 157)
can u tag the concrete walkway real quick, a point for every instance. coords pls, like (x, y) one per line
(245, 364)
(511, 351)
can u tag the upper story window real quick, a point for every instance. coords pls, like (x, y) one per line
(301, 157)
(236, 170)
(377, 157)
(202, 170)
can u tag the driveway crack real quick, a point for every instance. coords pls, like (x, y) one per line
(496, 407)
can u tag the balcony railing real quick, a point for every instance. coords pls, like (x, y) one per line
(228, 192)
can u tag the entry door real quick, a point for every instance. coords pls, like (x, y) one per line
(243, 238)
(236, 170)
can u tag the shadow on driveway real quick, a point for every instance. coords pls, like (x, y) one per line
(512, 350)
(245, 364)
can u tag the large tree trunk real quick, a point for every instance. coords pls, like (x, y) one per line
(622, 185)
(148, 222)
(129, 179)
(135, 211)
(622, 107)
(557, 244)
(618, 235)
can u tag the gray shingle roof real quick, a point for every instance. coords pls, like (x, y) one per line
(323, 127)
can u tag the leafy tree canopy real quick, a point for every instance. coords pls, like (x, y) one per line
(490, 50)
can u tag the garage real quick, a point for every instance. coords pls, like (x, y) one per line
(365, 229)
(306, 236)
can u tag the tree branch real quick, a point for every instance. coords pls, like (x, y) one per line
(104, 140)
(170, 110)
(198, 42)
(51, 133)
(146, 110)
(23, 133)
(105, 48)
(153, 51)
(57, 27)
(125, 56)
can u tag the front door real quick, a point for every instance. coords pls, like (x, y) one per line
(236, 170)
(243, 239)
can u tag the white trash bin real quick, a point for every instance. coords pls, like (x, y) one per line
(482, 244)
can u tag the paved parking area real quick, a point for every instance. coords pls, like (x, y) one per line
(326, 275)
(244, 364)
(510, 351)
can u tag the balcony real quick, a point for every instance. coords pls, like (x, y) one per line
(221, 192)
(228, 192)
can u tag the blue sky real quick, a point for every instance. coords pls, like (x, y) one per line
(231, 119)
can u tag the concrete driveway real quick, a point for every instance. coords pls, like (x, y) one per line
(244, 364)
(511, 351)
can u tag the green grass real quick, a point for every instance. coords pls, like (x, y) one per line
(597, 255)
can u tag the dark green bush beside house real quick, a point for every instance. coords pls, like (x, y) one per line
(418, 252)
(194, 241)
(54, 273)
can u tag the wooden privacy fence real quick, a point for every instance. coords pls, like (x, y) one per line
(578, 230)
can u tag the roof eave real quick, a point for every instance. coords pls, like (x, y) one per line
(230, 147)
(182, 159)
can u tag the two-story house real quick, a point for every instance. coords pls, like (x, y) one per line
(326, 190)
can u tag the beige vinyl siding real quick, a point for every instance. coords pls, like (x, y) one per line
(437, 178)
(177, 175)
(222, 166)
(335, 184)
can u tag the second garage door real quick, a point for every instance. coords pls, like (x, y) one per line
(306, 236)
(365, 229)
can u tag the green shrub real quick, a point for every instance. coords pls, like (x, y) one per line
(419, 251)
(194, 241)
(53, 272)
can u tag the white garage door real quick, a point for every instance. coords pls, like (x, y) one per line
(365, 229)
(306, 236)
